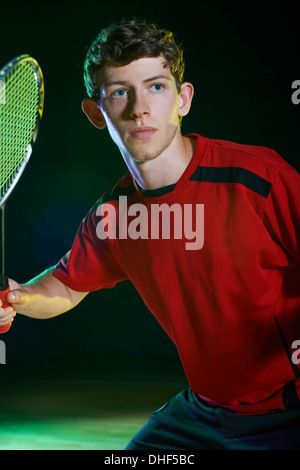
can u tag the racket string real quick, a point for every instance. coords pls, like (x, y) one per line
(18, 118)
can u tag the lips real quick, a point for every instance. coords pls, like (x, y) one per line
(142, 133)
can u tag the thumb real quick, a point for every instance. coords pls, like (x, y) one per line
(17, 296)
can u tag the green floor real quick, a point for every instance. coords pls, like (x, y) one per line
(57, 414)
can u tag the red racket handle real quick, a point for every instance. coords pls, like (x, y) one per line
(3, 294)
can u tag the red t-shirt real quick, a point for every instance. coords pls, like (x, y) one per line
(220, 269)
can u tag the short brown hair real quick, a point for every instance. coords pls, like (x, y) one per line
(121, 44)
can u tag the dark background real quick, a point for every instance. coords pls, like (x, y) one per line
(242, 61)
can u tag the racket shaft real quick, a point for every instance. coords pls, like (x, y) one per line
(2, 268)
(4, 287)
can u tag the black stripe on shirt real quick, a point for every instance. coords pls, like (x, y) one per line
(159, 191)
(116, 193)
(233, 175)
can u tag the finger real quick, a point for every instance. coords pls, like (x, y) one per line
(7, 315)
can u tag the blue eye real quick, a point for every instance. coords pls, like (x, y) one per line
(157, 87)
(119, 93)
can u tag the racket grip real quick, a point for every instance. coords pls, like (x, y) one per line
(4, 290)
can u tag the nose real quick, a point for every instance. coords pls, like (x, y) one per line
(139, 106)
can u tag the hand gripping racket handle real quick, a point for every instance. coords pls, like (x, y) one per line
(3, 293)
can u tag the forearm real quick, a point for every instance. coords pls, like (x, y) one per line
(43, 296)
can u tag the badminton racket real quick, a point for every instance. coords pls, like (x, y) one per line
(21, 109)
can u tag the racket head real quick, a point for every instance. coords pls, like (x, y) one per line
(21, 109)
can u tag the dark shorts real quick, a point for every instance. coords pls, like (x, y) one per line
(186, 422)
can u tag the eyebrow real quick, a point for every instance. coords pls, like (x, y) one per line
(125, 82)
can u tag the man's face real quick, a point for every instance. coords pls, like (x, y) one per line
(139, 103)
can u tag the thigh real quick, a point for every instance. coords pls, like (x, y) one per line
(274, 431)
(186, 422)
(180, 424)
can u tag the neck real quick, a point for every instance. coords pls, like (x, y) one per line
(166, 168)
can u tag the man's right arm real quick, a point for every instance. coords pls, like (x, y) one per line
(42, 297)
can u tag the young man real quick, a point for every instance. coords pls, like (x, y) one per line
(206, 230)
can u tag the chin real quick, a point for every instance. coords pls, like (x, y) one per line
(141, 155)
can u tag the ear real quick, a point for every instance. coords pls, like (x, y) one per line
(91, 110)
(185, 98)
